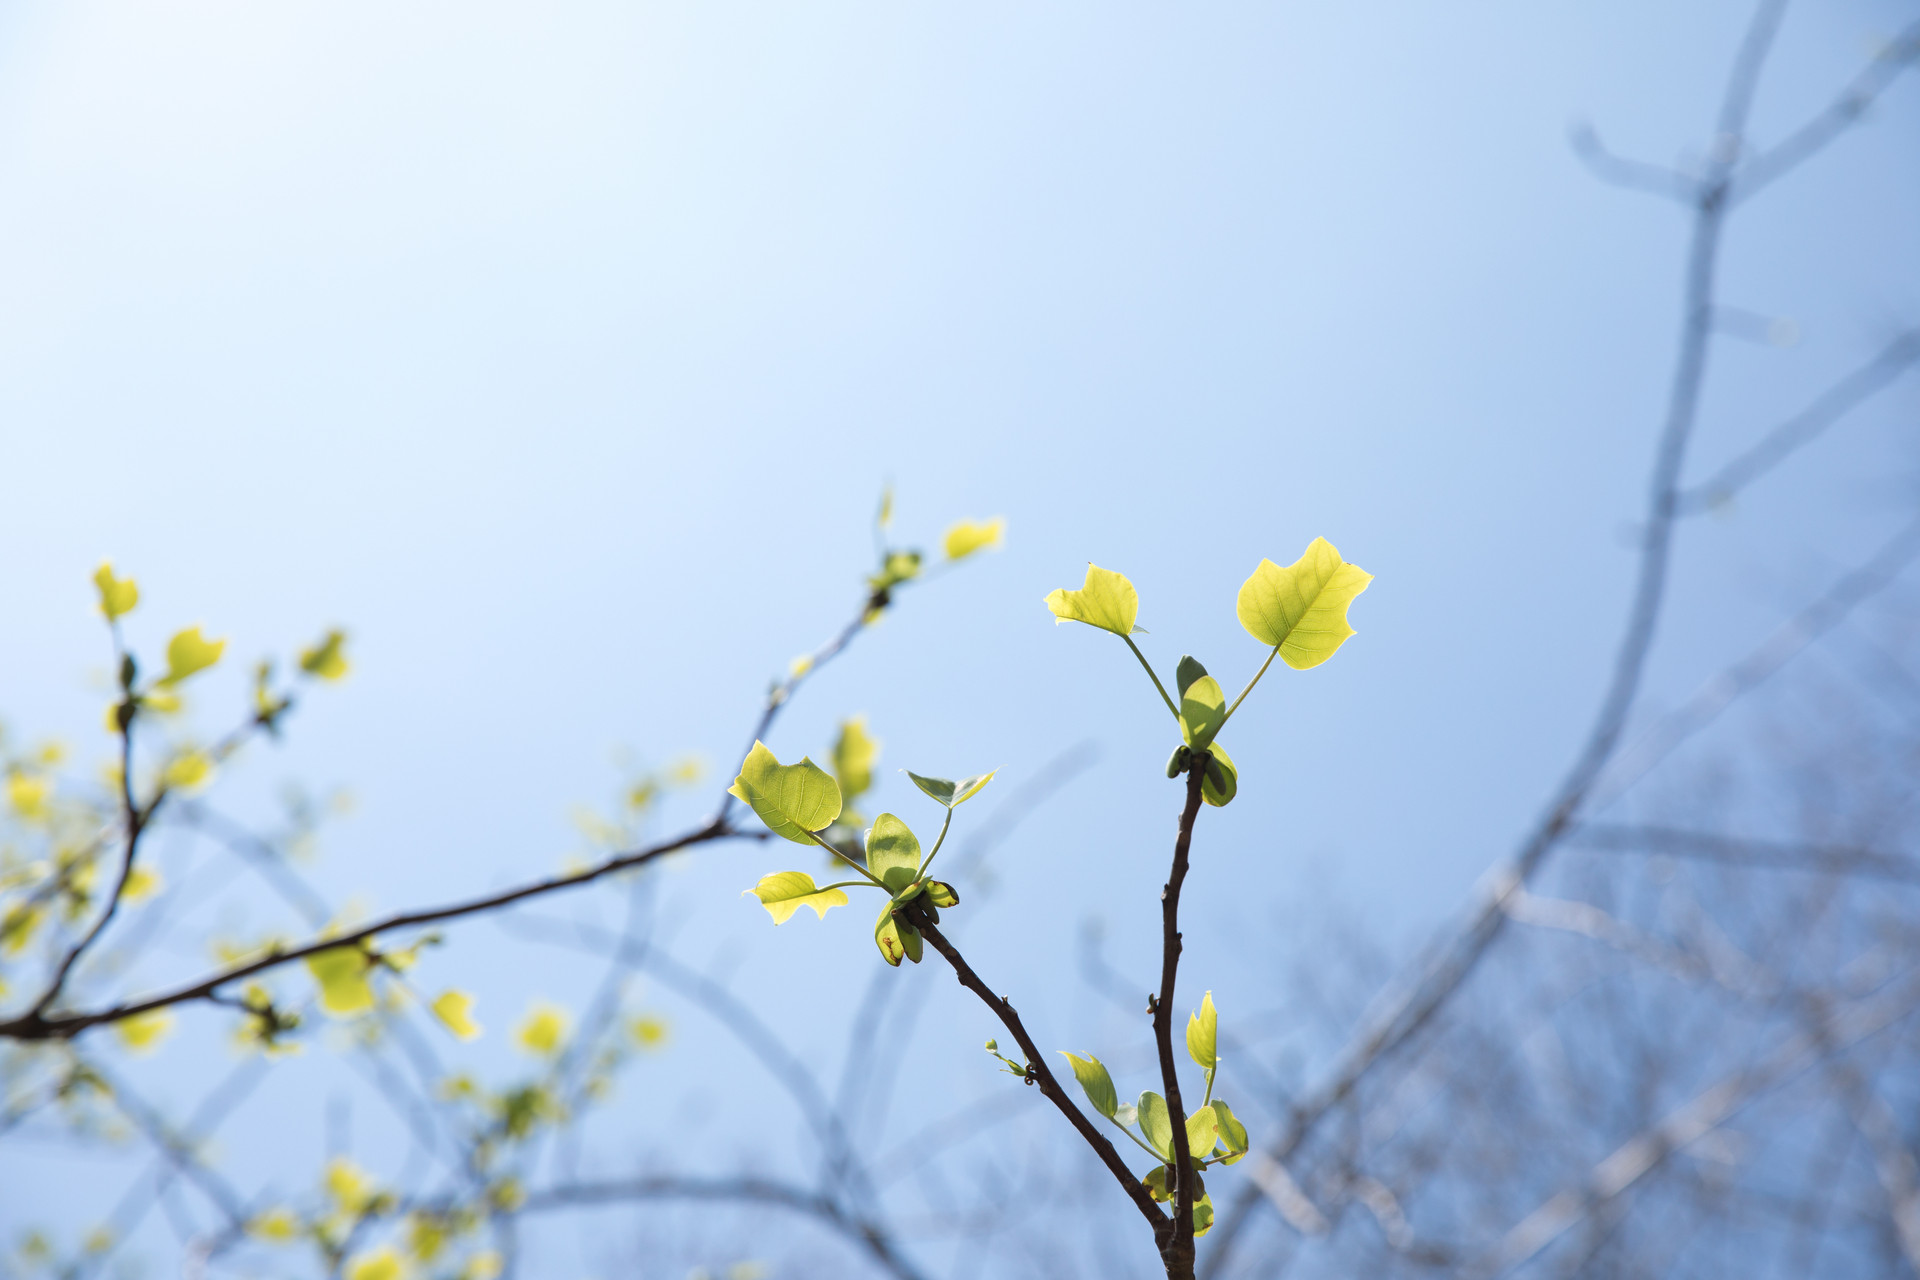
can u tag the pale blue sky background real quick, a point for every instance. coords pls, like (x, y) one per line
(560, 351)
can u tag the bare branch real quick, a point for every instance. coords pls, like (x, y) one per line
(1634, 175)
(1786, 855)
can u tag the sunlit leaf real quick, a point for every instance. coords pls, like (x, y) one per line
(649, 1031)
(785, 892)
(1105, 600)
(142, 883)
(1222, 781)
(1233, 1134)
(952, 793)
(968, 536)
(544, 1030)
(1155, 1124)
(792, 799)
(893, 853)
(189, 771)
(942, 894)
(190, 653)
(1202, 1216)
(1302, 608)
(1203, 709)
(278, 1226)
(1157, 1184)
(342, 975)
(143, 1032)
(326, 659)
(1203, 1029)
(455, 1011)
(895, 938)
(1095, 1082)
(377, 1264)
(117, 595)
(1202, 1132)
(1127, 1114)
(855, 752)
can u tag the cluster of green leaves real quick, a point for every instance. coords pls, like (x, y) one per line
(1214, 1134)
(435, 1240)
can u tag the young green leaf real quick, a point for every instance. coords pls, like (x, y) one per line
(785, 892)
(1302, 609)
(1105, 600)
(855, 752)
(1203, 709)
(117, 595)
(326, 659)
(1187, 672)
(1127, 1115)
(189, 653)
(455, 1011)
(1156, 1183)
(1233, 1134)
(952, 793)
(1155, 1124)
(341, 973)
(1095, 1083)
(942, 894)
(1202, 1034)
(896, 938)
(792, 799)
(1222, 782)
(1203, 1131)
(1202, 1216)
(965, 537)
(893, 853)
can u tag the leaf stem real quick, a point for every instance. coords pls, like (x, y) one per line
(815, 837)
(1249, 689)
(944, 824)
(1156, 679)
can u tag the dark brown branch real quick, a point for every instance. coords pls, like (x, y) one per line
(36, 1026)
(1178, 1252)
(1043, 1076)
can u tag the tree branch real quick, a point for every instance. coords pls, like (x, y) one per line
(1178, 1251)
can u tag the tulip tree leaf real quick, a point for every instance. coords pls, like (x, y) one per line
(1105, 600)
(893, 854)
(117, 595)
(1127, 1115)
(952, 793)
(189, 653)
(1187, 672)
(1202, 1216)
(1156, 1183)
(1233, 1134)
(1202, 1132)
(455, 1011)
(855, 753)
(1222, 782)
(1203, 709)
(1155, 1125)
(792, 799)
(785, 892)
(327, 660)
(1203, 1029)
(1302, 609)
(965, 537)
(895, 937)
(1095, 1083)
(341, 973)
(942, 894)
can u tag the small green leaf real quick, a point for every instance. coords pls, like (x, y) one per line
(189, 653)
(965, 537)
(1095, 1083)
(792, 799)
(1233, 1134)
(1222, 782)
(895, 937)
(893, 854)
(455, 1011)
(326, 660)
(785, 892)
(1156, 1183)
(942, 894)
(1105, 600)
(1202, 1132)
(117, 595)
(1155, 1125)
(952, 793)
(1203, 709)
(1302, 609)
(1127, 1114)
(855, 753)
(1187, 672)
(1203, 1029)
(1202, 1216)
(341, 973)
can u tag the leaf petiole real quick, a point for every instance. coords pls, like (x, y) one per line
(871, 878)
(944, 824)
(1249, 689)
(1156, 679)
(1136, 1140)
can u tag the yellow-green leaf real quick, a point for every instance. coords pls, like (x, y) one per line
(1105, 600)
(1156, 1126)
(1202, 1216)
(952, 793)
(342, 975)
(1203, 1031)
(792, 799)
(379, 1264)
(1202, 1132)
(1203, 709)
(326, 659)
(855, 753)
(1095, 1083)
(455, 1011)
(895, 938)
(968, 536)
(893, 852)
(942, 894)
(189, 770)
(117, 595)
(785, 892)
(143, 1032)
(1222, 781)
(543, 1030)
(189, 653)
(1233, 1134)
(1302, 609)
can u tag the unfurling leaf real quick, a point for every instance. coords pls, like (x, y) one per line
(893, 853)
(342, 975)
(1222, 782)
(326, 660)
(1187, 672)
(785, 892)
(1203, 1030)
(942, 894)
(792, 799)
(1202, 1132)
(455, 1011)
(1105, 600)
(965, 537)
(1233, 1134)
(855, 753)
(143, 1032)
(1095, 1082)
(1155, 1124)
(895, 937)
(190, 653)
(1203, 709)
(117, 595)
(1302, 609)
(952, 793)
(1202, 1216)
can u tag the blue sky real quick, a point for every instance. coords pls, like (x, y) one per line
(560, 352)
